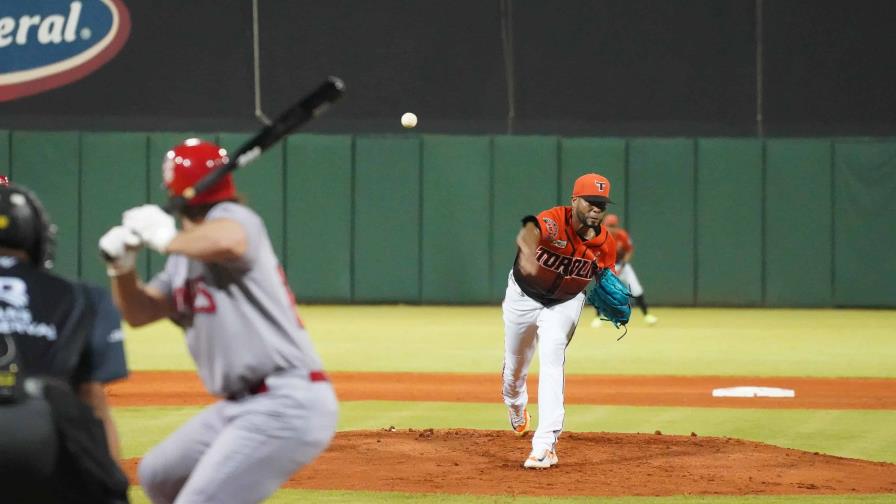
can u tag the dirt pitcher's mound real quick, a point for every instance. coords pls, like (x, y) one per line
(462, 461)
(489, 462)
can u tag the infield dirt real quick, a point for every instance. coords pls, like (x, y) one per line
(461, 461)
(161, 388)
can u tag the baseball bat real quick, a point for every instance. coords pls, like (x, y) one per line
(291, 119)
(295, 116)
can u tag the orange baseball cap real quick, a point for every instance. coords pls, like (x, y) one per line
(593, 188)
(610, 220)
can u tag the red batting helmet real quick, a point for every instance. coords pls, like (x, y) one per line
(611, 220)
(185, 165)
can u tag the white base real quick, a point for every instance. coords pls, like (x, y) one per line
(753, 392)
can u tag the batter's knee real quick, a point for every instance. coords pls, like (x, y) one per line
(159, 486)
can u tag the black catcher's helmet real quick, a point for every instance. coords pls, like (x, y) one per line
(25, 225)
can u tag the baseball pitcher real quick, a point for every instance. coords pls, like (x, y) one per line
(560, 251)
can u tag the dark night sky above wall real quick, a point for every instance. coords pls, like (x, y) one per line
(580, 67)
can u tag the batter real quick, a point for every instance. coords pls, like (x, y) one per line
(223, 284)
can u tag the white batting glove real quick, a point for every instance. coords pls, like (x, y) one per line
(119, 247)
(155, 227)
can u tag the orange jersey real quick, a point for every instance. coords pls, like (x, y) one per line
(623, 242)
(566, 263)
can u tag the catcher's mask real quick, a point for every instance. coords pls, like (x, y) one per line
(26, 226)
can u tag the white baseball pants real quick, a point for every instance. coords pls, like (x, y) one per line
(527, 324)
(628, 277)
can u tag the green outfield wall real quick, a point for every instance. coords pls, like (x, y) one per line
(431, 218)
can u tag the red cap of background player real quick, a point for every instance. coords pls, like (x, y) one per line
(4, 180)
(593, 188)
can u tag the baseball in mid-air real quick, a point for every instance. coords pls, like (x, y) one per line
(409, 120)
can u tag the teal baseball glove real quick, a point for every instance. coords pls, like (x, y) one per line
(611, 298)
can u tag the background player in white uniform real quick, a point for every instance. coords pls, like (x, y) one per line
(624, 251)
(224, 285)
(559, 253)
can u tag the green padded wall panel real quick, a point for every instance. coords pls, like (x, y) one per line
(605, 156)
(159, 144)
(798, 238)
(661, 217)
(262, 184)
(48, 163)
(387, 219)
(864, 233)
(729, 222)
(319, 217)
(4, 152)
(456, 208)
(113, 179)
(525, 182)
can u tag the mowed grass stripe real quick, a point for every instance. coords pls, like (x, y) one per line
(687, 341)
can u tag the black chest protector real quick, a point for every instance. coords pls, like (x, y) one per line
(44, 327)
(12, 383)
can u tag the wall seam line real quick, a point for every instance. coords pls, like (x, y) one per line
(626, 176)
(80, 205)
(284, 213)
(559, 146)
(696, 167)
(9, 153)
(833, 196)
(420, 210)
(352, 224)
(491, 218)
(147, 181)
(763, 240)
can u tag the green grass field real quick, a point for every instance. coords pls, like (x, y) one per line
(323, 497)
(742, 342)
(687, 341)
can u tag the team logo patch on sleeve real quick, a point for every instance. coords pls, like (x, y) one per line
(552, 227)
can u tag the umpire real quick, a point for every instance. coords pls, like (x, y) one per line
(59, 342)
